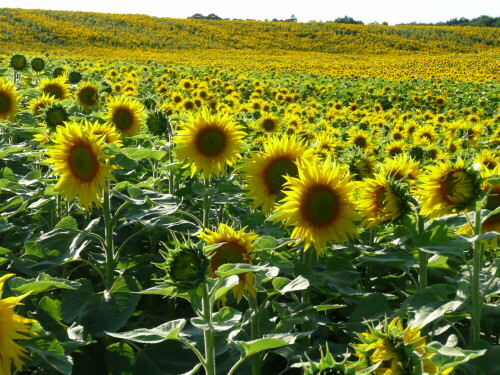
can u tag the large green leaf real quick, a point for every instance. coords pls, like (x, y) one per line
(42, 283)
(166, 331)
(120, 359)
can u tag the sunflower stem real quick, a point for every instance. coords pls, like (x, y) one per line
(477, 255)
(423, 257)
(108, 240)
(256, 359)
(206, 205)
(208, 334)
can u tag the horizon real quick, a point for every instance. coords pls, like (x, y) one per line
(389, 11)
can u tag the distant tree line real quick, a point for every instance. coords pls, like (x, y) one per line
(482, 21)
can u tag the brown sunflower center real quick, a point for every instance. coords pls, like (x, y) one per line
(320, 206)
(269, 124)
(88, 96)
(5, 103)
(83, 162)
(275, 171)
(380, 195)
(230, 252)
(122, 118)
(211, 141)
(360, 142)
(54, 90)
(395, 150)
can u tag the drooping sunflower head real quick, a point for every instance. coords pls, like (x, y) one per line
(78, 156)
(9, 100)
(13, 327)
(237, 247)
(446, 188)
(126, 114)
(382, 199)
(265, 176)
(88, 95)
(56, 87)
(209, 142)
(319, 205)
(391, 345)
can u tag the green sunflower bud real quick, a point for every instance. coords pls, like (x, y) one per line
(187, 267)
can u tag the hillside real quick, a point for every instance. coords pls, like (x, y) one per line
(62, 29)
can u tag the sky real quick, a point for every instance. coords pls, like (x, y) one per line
(368, 11)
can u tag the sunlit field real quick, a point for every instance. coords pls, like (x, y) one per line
(247, 197)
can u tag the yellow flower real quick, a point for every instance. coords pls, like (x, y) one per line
(209, 142)
(56, 87)
(12, 327)
(380, 200)
(88, 95)
(445, 188)
(78, 155)
(9, 100)
(126, 114)
(237, 248)
(319, 204)
(265, 176)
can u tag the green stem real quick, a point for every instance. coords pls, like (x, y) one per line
(475, 280)
(237, 364)
(423, 257)
(209, 336)
(256, 360)
(108, 240)
(206, 205)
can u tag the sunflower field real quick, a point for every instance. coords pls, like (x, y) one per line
(247, 197)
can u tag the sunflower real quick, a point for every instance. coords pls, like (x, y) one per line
(209, 142)
(55, 115)
(237, 248)
(402, 167)
(425, 134)
(360, 138)
(446, 187)
(381, 199)
(111, 135)
(9, 100)
(492, 223)
(126, 114)
(319, 204)
(78, 155)
(88, 95)
(269, 123)
(396, 147)
(488, 159)
(389, 344)
(56, 87)
(38, 104)
(13, 327)
(265, 176)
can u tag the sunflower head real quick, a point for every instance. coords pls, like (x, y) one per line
(18, 62)
(37, 64)
(319, 204)
(382, 199)
(186, 266)
(9, 100)
(236, 247)
(397, 350)
(157, 122)
(265, 175)
(447, 187)
(126, 114)
(56, 87)
(74, 77)
(88, 95)
(209, 142)
(13, 327)
(78, 156)
(54, 115)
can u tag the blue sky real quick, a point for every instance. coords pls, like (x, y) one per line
(391, 11)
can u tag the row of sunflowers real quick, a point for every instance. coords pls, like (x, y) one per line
(163, 219)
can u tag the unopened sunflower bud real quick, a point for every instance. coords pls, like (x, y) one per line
(187, 268)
